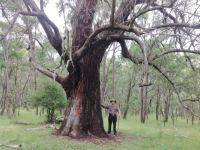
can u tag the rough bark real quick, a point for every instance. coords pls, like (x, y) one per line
(83, 115)
(103, 81)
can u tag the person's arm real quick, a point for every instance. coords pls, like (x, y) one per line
(105, 107)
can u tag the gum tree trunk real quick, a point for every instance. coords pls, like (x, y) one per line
(83, 115)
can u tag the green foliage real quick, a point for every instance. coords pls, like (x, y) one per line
(51, 97)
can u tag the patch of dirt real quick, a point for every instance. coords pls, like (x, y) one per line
(110, 140)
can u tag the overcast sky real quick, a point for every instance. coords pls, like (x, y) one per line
(52, 12)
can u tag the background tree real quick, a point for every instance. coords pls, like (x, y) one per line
(51, 97)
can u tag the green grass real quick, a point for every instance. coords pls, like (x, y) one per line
(151, 136)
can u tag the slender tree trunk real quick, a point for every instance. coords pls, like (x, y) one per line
(167, 105)
(113, 74)
(172, 117)
(144, 97)
(192, 116)
(6, 97)
(158, 103)
(130, 86)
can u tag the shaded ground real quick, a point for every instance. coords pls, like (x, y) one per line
(110, 140)
(106, 141)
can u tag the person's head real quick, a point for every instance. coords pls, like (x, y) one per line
(113, 101)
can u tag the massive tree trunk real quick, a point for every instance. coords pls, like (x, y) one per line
(83, 115)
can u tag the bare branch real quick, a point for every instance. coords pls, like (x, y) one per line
(171, 25)
(51, 74)
(175, 51)
(42, 5)
(142, 12)
(126, 54)
(49, 27)
(12, 23)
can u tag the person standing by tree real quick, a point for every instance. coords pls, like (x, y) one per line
(113, 109)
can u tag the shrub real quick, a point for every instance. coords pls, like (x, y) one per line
(51, 97)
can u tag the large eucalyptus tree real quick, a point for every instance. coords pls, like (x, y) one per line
(171, 22)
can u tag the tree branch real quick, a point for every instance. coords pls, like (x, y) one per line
(47, 72)
(51, 74)
(186, 25)
(175, 51)
(42, 5)
(12, 23)
(191, 100)
(126, 54)
(49, 27)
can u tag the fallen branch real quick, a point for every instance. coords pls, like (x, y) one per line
(11, 146)
(142, 85)
(191, 100)
(32, 129)
(23, 123)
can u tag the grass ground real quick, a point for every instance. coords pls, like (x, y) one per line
(150, 136)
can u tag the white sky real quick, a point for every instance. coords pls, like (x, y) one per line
(52, 12)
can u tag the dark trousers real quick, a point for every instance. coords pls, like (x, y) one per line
(112, 119)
